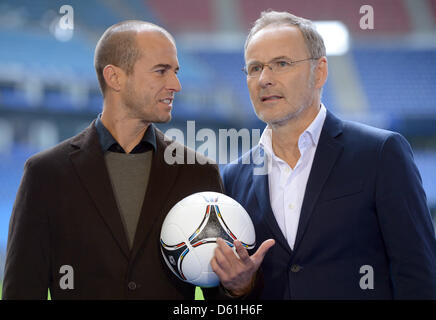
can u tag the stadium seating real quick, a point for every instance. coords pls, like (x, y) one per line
(92, 14)
(391, 15)
(433, 8)
(180, 15)
(41, 52)
(398, 80)
(11, 97)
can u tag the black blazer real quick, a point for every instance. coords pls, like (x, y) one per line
(65, 213)
(364, 205)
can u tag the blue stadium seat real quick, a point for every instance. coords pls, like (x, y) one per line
(401, 81)
(11, 170)
(227, 67)
(38, 51)
(13, 98)
(59, 101)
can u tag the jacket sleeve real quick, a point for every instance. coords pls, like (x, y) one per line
(27, 258)
(405, 222)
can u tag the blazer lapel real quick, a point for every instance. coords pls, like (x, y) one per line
(261, 188)
(326, 154)
(89, 163)
(162, 177)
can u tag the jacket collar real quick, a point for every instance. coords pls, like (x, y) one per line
(89, 163)
(327, 152)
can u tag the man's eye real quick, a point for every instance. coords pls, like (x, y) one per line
(282, 64)
(254, 69)
(161, 71)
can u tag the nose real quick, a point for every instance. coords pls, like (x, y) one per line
(266, 77)
(174, 83)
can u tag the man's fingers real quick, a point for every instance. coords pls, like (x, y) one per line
(221, 259)
(241, 251)
(217, 268)
(223, 246)
(226, 257)
(261, 252)
(226, 250)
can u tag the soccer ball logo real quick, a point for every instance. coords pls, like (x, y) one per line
(190, 230)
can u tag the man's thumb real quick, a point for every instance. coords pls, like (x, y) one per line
(261, 252)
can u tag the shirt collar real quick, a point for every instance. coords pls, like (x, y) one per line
(107, 140)
(313, 131)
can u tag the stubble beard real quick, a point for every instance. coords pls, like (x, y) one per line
(307, 102)
(136, 107)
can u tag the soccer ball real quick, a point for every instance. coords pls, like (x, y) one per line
(189, 232)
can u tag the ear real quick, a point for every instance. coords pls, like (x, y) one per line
(321, 72)
(114, 77)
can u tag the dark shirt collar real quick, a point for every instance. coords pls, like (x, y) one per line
(108, 142)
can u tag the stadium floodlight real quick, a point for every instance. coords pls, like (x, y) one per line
(62, 34)
(58, 30)
(336, 36)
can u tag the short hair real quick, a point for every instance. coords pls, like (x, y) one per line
(314, 42)
(117, 46)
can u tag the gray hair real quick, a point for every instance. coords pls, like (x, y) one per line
(312, 38)
(314, 42)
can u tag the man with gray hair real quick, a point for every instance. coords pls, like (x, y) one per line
(343, 201)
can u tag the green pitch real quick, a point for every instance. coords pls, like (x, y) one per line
(198, 293)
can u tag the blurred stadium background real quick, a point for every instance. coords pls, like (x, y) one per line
(385, 77)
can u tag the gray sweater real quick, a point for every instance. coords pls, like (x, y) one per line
(129, 175)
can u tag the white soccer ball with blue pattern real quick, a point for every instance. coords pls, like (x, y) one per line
(189, 232)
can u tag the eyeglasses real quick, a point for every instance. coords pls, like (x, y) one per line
(278, 66)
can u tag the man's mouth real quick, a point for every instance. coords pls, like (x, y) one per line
(168, 101)
(270, 98)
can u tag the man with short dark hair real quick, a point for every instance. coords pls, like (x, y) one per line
(343, 201)
(87, 217)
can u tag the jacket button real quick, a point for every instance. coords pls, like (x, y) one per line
(131, 285)
(296, 268)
